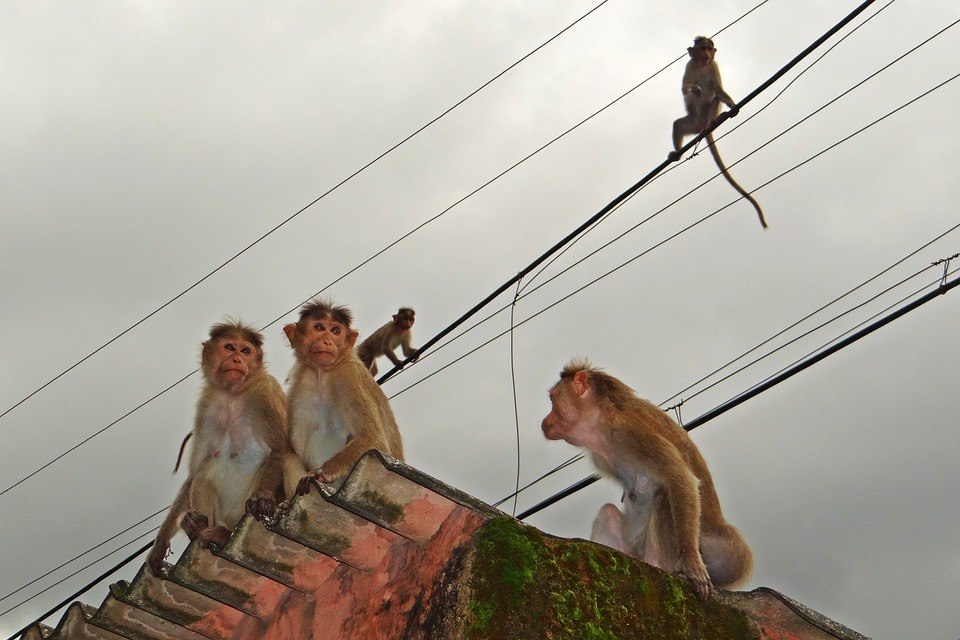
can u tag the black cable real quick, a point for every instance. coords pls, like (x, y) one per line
(678, 233)
(810, 315)
(941, 289)
(861, 285)
(77, 557)
(288, 219)
(616, 201)
(501, 174)
(89, 586)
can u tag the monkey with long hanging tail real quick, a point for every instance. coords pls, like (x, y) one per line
(702, 94)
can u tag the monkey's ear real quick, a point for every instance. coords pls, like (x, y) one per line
(690, 51)
(395, 316)
(291, 331)
(581, 383)
(352, 337)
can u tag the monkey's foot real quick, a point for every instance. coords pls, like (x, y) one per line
(261, 505)
(214, 536)
(673, 156)
(193, 523)
(700, 582)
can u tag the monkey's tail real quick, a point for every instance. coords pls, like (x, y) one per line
(733, 183)
(183, 445)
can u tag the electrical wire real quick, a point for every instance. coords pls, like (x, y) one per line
(77, 557)
(363, 263)
(942, 288)
(691, 191)
(291, 217)
(678, 233)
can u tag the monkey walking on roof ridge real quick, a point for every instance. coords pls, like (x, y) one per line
(385, 340)
(671, 515)
(702, 94)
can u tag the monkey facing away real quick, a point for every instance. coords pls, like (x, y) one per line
(335, 410)
(702, 94)
(671, 517)
(239, 442)
(385, 340)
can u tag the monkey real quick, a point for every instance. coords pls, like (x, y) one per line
(239, 443)
(335, 409)
(671, 517)
(387, 338)
(702, 94)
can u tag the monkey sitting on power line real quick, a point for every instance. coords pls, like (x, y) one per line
(383, 341)
(671, 517)
(702, 94)
(335, 410)
(239, 443)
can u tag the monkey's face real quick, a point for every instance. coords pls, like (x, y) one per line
(404, 320)
(232, 362)
(564, 413)
(702, 52)
(322, 343)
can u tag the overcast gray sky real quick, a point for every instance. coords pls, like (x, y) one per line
(146, 143)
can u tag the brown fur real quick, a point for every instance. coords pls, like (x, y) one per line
(672, 517)
(336, 411)
(239, 446)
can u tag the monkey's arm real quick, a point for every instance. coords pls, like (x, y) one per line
(409, 351)
(662, 461)
(168, 529)
(360, 401)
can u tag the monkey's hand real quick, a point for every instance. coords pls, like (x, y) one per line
(733, 111)
(193, 523)
(673, 156)
(303, 487)
(261, 505)
(214, 536)
(155, 558)
(697, 573)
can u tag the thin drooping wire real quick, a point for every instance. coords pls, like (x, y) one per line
(77, 557)
(363, 263)
(811, 314)
(516, 406)
(702, 184)
(83, 568)
(675, 235)
(315, 201)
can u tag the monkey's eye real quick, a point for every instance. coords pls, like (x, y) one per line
(245, 351)
(229, 347)
(335, 330)
(318, 326)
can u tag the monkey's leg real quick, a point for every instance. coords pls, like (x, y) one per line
(727, 556)
(610, 529)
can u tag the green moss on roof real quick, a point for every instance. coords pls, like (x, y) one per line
(524, 584)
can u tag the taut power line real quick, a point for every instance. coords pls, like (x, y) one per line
(941, 289)
(613, 204)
